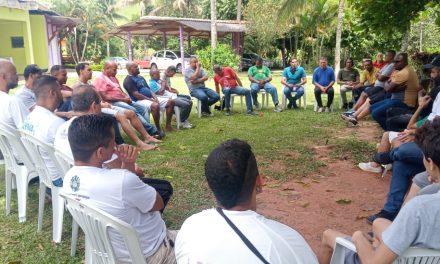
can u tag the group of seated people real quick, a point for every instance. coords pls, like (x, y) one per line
(90, 137)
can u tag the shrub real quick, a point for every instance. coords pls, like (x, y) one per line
(97, 66)
(223, 55)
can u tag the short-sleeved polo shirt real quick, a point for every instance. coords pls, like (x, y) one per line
(294, 76)
(323, 76)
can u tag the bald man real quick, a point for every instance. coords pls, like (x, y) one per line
(195, 78)
(110, 91)
(12, 111)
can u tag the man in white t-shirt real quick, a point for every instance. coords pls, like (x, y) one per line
(42, 123)
(26, 95)
(206, 237)
(12, 111)
(85, 100)
(118, 192)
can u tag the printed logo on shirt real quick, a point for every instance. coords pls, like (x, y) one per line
(28, 127)
(75, 183)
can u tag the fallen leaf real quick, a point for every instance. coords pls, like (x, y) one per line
(304, 205)
(304, 184)
(204, 155)
(169, 177)
(40, 247)
(361, 216)
(289, 189)
(343, 201)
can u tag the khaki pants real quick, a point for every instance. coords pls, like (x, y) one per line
(165, 253)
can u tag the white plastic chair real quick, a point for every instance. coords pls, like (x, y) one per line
(264, 98)
(96, 223)
(176, 114)
(199, 107)
(66, 163)
(411, 255)
(241, 101)
(35, 147)
(23, 170)
(304, 99)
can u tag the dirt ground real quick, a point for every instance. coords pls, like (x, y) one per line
(340, 196)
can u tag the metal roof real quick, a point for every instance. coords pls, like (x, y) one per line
(155, 25)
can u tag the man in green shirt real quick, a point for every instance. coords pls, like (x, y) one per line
(260, 78)
(347, 78)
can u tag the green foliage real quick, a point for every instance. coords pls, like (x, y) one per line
(389, 16)
(226, 9)
(97, 66)
(223, 55)
(262, 16)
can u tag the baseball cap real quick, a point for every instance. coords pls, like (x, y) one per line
(434, 63)
(32, 69)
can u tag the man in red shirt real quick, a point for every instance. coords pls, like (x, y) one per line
(231, 84)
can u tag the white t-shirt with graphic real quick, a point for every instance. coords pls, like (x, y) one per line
(207, 238)
(123, 195)
(43, 124)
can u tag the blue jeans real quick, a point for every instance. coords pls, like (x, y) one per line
(240, 91)
(379, 110)
(268, 87)
(408, 161)
(142, 113)
(288, 93)
(207, 96)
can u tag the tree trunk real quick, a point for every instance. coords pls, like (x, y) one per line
(404, 46)
(238, 10)
(295, 51)
(283, 52)
(339, 36)
(85, 45)
(213, 24)
(320, 47)
(108, 48)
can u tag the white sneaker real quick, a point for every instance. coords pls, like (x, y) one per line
(320, 109)
(186, 125)
(278, 109)
(327, 109)
(367, 166)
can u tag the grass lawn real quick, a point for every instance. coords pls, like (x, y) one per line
(180, 160)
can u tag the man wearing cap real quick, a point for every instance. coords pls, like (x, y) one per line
(26, 95)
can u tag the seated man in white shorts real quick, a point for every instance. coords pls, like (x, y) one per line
(160, 85)
(118, 192)
(139, 91)
(416, 225)
(212, 236)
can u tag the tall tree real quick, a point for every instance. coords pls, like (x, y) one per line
(339, 36)
(213, 24)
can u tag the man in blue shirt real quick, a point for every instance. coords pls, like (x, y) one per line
(323, 79)
(294, 77)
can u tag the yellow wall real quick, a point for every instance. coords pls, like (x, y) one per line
(39, 40)
(16, 23)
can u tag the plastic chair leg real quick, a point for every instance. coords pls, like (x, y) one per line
(74, 241)
(41, 198)
(8, 180)
(57, 214)
(22, 190)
